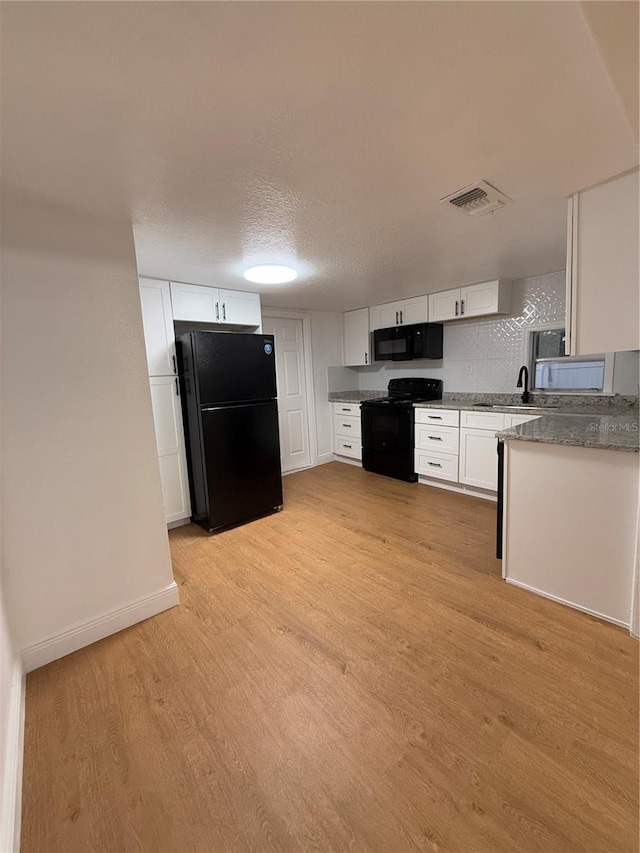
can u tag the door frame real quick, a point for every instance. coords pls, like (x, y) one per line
(287, 314)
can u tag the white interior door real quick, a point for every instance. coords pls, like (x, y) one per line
(292, 391)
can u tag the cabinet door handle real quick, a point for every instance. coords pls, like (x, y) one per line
(435, 417)
(434, 464)
(175, 367)
(217, 311)
(462, 306)
(401, 320)
(456, 307)
(347, 425)
(435, 437)
(177, 389)
(346, 410)
(366, 358)
(396, 318)
(347, 445)
(224, 311)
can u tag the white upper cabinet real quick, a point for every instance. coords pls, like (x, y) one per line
(355, 332)
(473, 300)
(240, 308)
(385, 316)
(157, 321)
(444, 305)
(402, 313)
(197, 303)
(602, 268)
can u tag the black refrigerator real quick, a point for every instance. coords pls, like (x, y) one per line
(231, 426)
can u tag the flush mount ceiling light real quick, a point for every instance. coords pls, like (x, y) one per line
(270, 274)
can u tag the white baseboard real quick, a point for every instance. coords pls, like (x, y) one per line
(461, 490)
(575, 606)
(11, 805)
(348, 460)
(79, 636)
(323, 458)
(179, 523)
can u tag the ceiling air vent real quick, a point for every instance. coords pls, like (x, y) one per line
(477, 199)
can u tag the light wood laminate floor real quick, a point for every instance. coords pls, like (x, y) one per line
(348, 675)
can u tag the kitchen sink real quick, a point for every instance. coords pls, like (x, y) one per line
(523, 406)
(527, 406)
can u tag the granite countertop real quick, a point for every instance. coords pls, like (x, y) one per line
(354, 396)
(508, 408)
(605, 422)
(606, 432)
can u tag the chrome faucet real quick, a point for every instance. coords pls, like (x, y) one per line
(524, 371)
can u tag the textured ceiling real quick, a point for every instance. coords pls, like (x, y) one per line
(319, 134)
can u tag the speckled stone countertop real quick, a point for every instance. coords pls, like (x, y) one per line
(606, 432)
(605, 422)
(354, 396)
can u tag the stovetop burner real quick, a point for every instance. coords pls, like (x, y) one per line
(407, 391)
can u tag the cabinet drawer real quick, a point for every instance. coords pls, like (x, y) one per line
(482, 420)
(437, 438)
(444, 417)
(442, 466)
(347, 447)
(351, 409)
(346, 427)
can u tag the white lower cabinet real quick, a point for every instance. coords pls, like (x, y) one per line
(167, 419)
(347, 430)
(436, 443)
(441, 466)
(461, 446)
(478, 458)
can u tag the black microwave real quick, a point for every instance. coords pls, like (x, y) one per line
(405, 343)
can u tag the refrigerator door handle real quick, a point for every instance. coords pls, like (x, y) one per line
(237, 405)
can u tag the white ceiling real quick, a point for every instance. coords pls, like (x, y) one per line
(321, 134)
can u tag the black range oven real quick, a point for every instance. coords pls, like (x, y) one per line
(387, 427)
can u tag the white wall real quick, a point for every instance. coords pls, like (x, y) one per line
(484, 356)
(11, 721)
(11, 728)
(84, 531)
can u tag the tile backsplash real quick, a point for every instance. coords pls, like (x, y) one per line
(484, 356)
